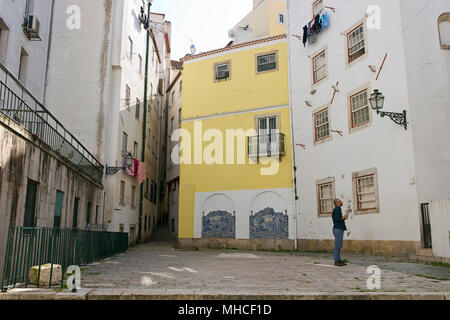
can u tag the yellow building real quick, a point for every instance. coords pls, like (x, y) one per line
(236, 186)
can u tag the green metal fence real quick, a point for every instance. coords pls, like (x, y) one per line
(28, 247)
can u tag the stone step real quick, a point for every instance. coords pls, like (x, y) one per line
(162, 233)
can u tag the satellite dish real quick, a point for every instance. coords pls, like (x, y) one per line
(231, 34)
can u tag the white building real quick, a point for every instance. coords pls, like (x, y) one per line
(23, 51)
(385, 175)
(96, 78)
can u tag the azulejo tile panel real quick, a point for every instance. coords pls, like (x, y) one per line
(268, 224)
(219, 224)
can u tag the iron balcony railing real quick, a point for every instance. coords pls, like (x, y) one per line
(21, 106)
(266, 145)
(28, 247)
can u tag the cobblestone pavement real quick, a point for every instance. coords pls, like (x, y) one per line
(159, 266)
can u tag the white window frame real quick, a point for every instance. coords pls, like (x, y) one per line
(130, 49)
(443, 18)
(318, 140)
(315, 82)
(366, 106)
(221, 64)
(354, 28)
(4, 38)
(356, 178)
(319, 184)
(264, 54)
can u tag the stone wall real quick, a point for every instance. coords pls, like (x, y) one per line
(23, 158)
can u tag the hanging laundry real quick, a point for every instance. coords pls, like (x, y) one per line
(305, 35)
(141, 175)
(325, 20)
(129, 171)
(317, 25)
(135, 166)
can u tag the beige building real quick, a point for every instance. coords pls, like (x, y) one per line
(174, 99)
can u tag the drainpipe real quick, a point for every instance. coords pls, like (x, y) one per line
(294, 168)
(144, 124)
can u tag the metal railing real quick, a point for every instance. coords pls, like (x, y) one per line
(28, 247)
(21, 106)
(266, 145)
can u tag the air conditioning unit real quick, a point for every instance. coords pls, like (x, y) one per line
(31, 27)
(222, 75)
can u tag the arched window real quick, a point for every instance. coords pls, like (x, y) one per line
(444, 30)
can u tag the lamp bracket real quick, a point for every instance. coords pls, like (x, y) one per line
(398, 117)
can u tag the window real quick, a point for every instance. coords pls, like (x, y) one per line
(124, 144)
(122, 192)
(23, 65)
(317, 7)
(172, 129)
(140, 64)
(222, 71)
(269, 140)
(325, 196)
(127, 97)
(88, 213)
(181, 85)
(75, 213)
(360, 110)
(179, 118)
(173, 97)
(356, 45)
(444, 30)
(138, 109)
(135, 150)
(96, 214)
(146, 188)
(365, 191)
(58, 209)
(280, 18)
(320, 68)
(266, 62)
(121, 228)
(133, 197)
(321, 125)
(29, 219)
(130, 48)
(4, 36)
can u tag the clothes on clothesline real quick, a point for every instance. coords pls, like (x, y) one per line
(313, 28)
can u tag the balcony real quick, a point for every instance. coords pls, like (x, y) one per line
(19, 105)
(266, 145)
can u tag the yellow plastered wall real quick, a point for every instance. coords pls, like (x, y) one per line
(245, 90)
(275, 8)
(263, 20)
(238, 176)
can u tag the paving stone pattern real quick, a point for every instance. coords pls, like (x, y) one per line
(159, 266)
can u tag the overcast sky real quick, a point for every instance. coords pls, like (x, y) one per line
(206, 22)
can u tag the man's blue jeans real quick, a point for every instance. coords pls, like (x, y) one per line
(339, 237)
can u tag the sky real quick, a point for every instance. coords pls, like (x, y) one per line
(205, 22)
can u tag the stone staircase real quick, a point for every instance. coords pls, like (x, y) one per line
(163, 234)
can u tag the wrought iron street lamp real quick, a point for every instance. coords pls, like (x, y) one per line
(377, 103)
(128, 163)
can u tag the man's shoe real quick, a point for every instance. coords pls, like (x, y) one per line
(339, 264)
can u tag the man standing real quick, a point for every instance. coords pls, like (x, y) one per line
(338, 231)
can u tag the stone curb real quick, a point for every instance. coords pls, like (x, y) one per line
(143, 294)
